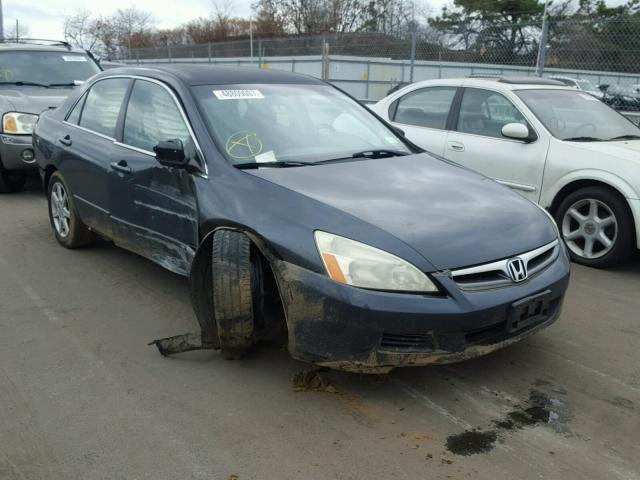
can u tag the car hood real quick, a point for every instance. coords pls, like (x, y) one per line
(34, 99)
(450, 215)
(626, 149)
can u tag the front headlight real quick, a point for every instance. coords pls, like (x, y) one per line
(19, 123)
(360, 265)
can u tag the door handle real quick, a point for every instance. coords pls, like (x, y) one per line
(456, 146)
(66, 140)
(121, 166)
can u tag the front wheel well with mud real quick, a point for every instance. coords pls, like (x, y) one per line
(266, 307)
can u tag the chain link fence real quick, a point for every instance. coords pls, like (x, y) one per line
(600, 54)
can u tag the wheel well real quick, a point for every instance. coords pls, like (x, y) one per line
(48, 171)
(577, 185)
(273, 320)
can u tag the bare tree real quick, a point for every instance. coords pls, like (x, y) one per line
(80, 30)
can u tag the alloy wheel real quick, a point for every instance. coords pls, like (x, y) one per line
(60, 209)
(589, 228)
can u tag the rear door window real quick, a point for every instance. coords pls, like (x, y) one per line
(74, 115)
(102, 106)
(427, 107)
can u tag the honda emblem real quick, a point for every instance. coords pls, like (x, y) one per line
(517, 269)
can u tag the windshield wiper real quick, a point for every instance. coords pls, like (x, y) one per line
(625, 137)
(68, 84)
(21, 83)
(583, 139)
(277, 164)
(381, 153)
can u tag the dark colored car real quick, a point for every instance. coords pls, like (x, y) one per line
(621, 98)
(35, 75)
(282, 198)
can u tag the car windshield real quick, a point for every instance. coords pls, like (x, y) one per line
(45, 68)
(571, 114)
(285, 122)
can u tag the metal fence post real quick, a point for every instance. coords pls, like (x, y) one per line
(413, 56)
(209, 52)
(366, 94)
(259, 53)
(325, 61)
(544, 38)
(169, 52)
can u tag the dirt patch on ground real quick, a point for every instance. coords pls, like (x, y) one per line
(313, 380)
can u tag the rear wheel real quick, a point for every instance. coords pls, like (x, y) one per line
(596, 226)
(69, 230)
(237, 292)
(11, 180)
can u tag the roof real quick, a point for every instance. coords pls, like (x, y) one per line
(39, 45)
(495, 83)
(520, 80)
(216, 75)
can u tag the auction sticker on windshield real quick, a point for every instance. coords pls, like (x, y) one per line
(238, 94)
(74, 58)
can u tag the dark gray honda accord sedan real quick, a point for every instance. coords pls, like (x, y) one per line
(292, 208)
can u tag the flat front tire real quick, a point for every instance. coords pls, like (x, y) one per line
(233, 295)
(68, 229)
(597, 227)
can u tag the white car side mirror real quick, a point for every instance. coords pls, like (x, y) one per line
(515, 130)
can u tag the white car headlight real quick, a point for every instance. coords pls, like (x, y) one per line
(20, 123)
(360, 265)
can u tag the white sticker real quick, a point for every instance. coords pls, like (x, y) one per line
(266, 157)
(238, 94)
(74, 58)
(586, 96)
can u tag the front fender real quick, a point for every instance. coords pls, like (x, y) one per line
(602, 176)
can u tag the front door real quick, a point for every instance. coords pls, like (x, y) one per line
(477, 142)
(153, 210)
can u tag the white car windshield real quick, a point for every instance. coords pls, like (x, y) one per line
(270, 123)
(575, 115)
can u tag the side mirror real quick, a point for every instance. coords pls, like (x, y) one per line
(516, 131)
(170, 153)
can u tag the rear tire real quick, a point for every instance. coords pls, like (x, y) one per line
(233, 295)
(597, 227)
(68, 229)
(11, 180)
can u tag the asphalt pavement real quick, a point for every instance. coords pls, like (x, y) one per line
(82, 396)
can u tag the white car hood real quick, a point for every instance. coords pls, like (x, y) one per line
(623, 149)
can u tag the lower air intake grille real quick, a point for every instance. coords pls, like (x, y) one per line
(417, 342)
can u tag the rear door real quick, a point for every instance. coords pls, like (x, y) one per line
(87, 143)
(477, 142)
(154, 210)
(422, 114)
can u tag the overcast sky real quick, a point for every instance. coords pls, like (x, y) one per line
(44, 17)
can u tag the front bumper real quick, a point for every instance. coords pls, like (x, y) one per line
(353, 329)
(11, 148)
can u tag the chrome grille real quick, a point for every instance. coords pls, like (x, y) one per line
(496, 274)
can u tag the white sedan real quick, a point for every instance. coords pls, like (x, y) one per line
(557, 146)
